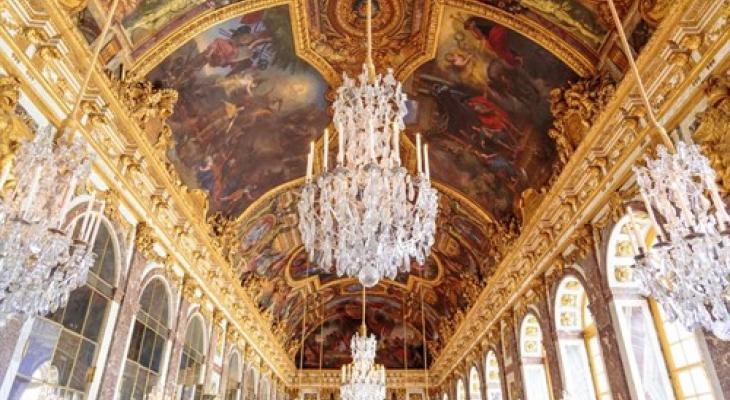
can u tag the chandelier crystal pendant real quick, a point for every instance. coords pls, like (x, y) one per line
(363, 379)
(368, 215)
(687, 271)
(40, 262)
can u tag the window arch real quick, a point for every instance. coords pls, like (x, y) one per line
(663, 357)
(233, 381)
(474, 384)
(62, 349)
(460, 390)
(192, 359)
(580, 353)
(147, 347)
(532, 353)
(494, 382)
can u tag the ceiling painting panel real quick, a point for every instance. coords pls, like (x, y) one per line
(247, 108)
(483, 105)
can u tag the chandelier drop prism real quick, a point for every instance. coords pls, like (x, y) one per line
(40, 262)
(687, 270)
(368, 215)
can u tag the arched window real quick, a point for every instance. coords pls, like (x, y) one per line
(494, 383)
(580, 353)
(61, 352)
(147, 346)
(533, 359)
(666, 361)
(250, 383)
(474, 384)
(233, 382)
(192, 359)
(460, 390)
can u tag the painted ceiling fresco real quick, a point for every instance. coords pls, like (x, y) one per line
(265, 248)
(247, 108)
(483, 104)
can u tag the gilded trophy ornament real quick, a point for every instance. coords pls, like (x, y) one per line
(575, 109)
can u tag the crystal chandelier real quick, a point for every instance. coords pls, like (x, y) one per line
(363, 379)
(40, 263)
(687, 270)
(368, 215)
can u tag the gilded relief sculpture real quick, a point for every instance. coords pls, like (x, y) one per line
(12, 130)
(575, 109)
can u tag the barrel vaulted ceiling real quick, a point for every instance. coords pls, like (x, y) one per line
(255, 80)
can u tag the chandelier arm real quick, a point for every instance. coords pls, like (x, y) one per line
(363, 328)
(637, 77)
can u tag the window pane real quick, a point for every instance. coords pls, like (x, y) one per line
(83, 365)
(65, 355)
(136, 343)
(157, 353)
(75, 314)
(97, 312)
(146, 353)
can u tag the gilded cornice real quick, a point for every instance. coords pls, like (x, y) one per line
(331, 378)
(599, 167)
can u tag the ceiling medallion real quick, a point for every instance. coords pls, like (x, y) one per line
(368, 216)
(687, 270)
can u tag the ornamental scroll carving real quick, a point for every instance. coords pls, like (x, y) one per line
(12, 130)
(711, 132)
(575, 109)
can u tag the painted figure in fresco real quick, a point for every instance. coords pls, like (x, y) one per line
(486, 110)
(143, 17)
(246, 100)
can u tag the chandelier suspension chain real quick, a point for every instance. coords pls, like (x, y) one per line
(651, 116)
(369, 28)
(423, 335)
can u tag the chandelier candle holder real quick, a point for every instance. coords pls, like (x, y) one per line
(368, 215)
(688, 269)
(40, 262)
